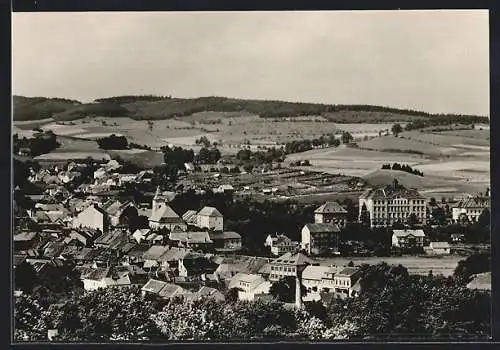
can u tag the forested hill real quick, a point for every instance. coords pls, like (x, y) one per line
(148, 107)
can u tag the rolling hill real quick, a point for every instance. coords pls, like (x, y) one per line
(161, 107)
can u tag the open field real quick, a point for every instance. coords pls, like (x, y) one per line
(444, 265)
(62, 156)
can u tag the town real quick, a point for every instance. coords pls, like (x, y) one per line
(250, 176)
(83, 219)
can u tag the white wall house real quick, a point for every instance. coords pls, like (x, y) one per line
(92, 217)
(210, 218)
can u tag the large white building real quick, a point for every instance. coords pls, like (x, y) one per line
(392, 204)
(471, 208)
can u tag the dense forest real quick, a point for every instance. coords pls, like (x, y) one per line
(163, 107)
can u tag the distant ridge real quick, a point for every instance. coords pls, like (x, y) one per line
(150, 107)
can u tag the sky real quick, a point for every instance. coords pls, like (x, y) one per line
(435, 61)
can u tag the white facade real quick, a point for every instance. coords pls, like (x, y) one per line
(387, 211)
(215, 223)
(90, 218)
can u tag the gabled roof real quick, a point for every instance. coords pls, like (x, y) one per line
(405, 233)
(155, 252)
(165, 214)
(190, 237)
(391, 192)
(347, 272)
(25, 236)
(322, 228)
(190, 216)
(87, 254)
(243, 277)
(224, 235)
(170, 290)
(297, 259)
(174, 254)
(320, 272)
(209, 211)
(475, 202)
(18, 259)
(330, 208)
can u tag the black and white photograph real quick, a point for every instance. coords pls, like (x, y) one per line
(258, 176)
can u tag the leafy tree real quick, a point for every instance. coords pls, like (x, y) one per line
(113, 142)
(284, 289)
(474, 264)
(346, 137)
(484, 219)
(396, 129)
(365, 216)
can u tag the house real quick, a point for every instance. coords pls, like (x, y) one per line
(163, 289)
(86, 255)
(320, 238)
(249, 286)
(281, 244)
(346, 282)
(319, 279)
(103, 277)
(162, 216)
(408, 238)
(481, 281)
(471, 208)
(205, 292)
(439, 248)
(152, 256)
(226, 241)
(331, 212)
(386, 205)
(112, 240)
(194, 240)
(223, 189)
(119, 213)
(92, 217)
(210, 218)
(228, 267)
(84, 236)
(288, 265)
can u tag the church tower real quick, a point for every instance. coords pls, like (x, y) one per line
(158, 201)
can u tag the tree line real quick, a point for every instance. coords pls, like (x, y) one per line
(402, 167)
(43, 142)
(392, 306)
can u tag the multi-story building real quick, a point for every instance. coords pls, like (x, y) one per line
(210, 218)
(331, 212)
(162, 216)
(392, 204)
(346, 282)
(408, 238)
(281, 244)
(471, 208)
(320, 238)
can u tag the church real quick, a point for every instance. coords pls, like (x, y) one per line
(162, 216)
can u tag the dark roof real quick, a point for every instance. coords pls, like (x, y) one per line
(297, 259)
(348, 271)
(475, 202)
(390, 192)
(87, 254)
(330, 208)
(54, 249)
(321, 228)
